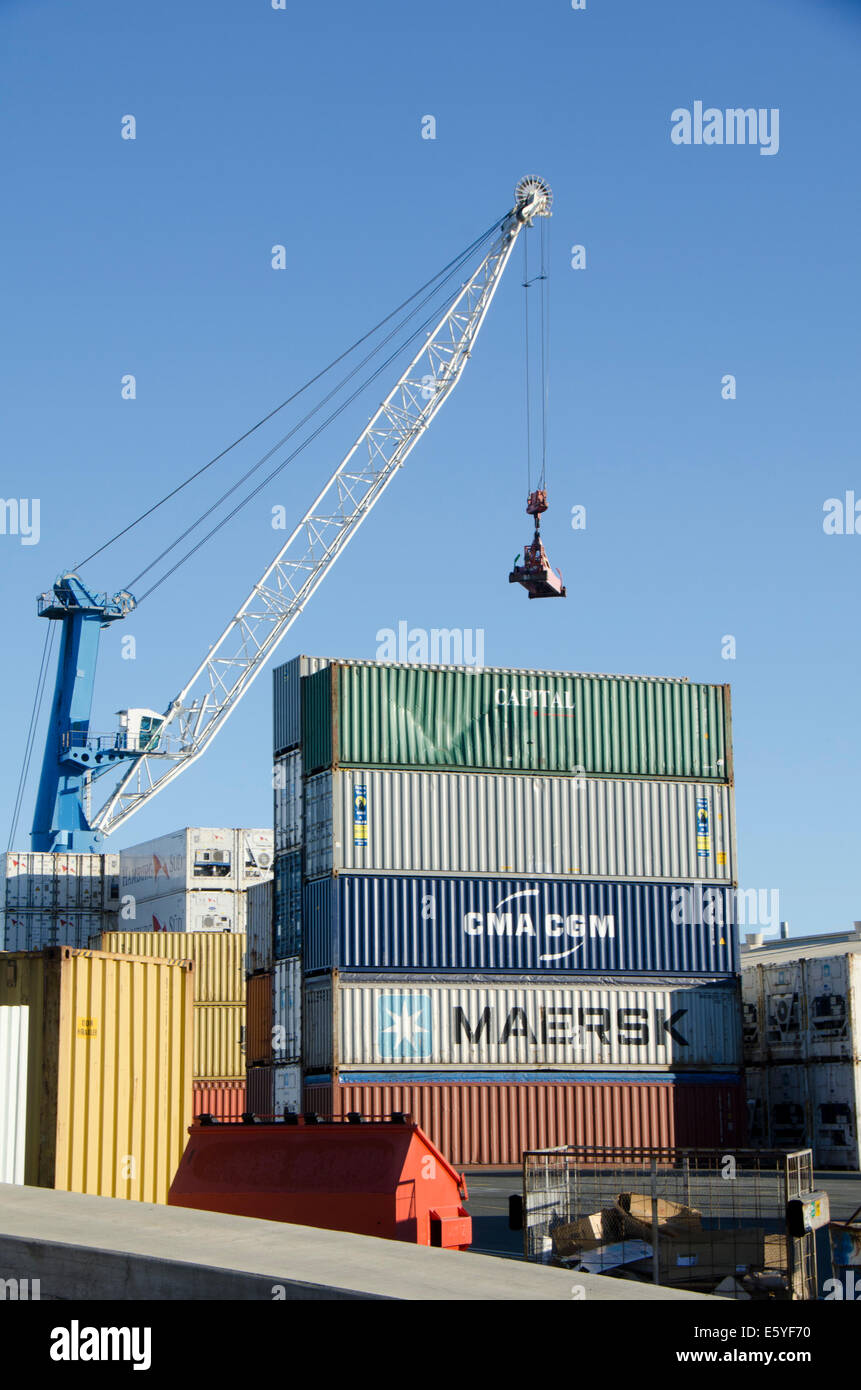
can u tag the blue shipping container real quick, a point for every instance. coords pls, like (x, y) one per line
(545, 927)
(287, 906)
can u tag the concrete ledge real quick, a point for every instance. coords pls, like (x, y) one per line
(105, 1248)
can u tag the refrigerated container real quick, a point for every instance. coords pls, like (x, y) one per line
(23, 929)
(198, 910)
(58, 882)
(490, 1123)
(545, 926)
(108, 1071)
(803, 1010)
(482, 1024)
(218, 958)
(384, 821)
(196, 857)
(287, 1089)
(365, 714)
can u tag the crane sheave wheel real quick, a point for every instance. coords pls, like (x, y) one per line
(531, 186)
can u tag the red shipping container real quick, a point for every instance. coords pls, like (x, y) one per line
(258, 1082)
(223, 1099)
(258, 1031)
(480, 1124)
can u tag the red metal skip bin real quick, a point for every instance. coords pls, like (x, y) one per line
(372, 1177)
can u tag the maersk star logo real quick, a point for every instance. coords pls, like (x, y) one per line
(404, 1031)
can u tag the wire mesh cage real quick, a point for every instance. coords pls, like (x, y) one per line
(697, 1219)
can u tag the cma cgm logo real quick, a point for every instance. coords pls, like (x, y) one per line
(517, 922)
(538, 699)
(404, 1027)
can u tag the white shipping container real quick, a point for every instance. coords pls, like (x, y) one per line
(196, 857)
(197, 910)
(33, 931)
(779, 1106)
(483, 823)
(835, 1105)
(287, 1089)
(287, 1010)
(14, 1047)
(662, 1026)
(62, 881)
(287, 784)
(802, 1010)
(259, 926)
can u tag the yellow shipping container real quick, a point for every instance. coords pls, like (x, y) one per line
(219, 958)
(219, 1041)
(108, 1069)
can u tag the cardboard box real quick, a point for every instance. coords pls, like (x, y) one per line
(700, 1256)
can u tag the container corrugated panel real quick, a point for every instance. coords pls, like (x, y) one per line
(223, 1099)
(258, 1090)
(288, 905)
(14, 1046)
(456, 718)
(259, 923)
(523, 926)
(286, 700)
(109, 1068)
(490, 1124)
(23, 930)
(287, 784)
(200, 909)
(258, 1037)
(218, 957)
(219, 1041)
(473, 823)
(661, 1025)
(287, 1010)
(287, 1089)
(54, 881)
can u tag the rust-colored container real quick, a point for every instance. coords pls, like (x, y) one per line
(225, 1100)
(258, 1029)
(490, 1124)
(258, 1090)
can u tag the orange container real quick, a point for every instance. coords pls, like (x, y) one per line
(379, 1178)
(258, 1032)
(223, 1099)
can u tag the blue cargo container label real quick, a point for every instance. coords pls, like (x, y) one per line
(404, 1027)
(412, 923)
(704, 840)
(360, 817)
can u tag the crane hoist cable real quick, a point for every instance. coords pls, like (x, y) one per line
(418, 332)
(447, 270)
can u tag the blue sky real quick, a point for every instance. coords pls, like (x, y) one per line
(303, 127)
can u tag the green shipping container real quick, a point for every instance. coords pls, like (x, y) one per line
(375, 715)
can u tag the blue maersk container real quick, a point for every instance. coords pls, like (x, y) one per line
(544, 927)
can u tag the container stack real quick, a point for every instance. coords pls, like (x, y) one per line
(56, 899)
(802, 1048)
(274, 1033)
(193, 879)
(218, 1014)
(516, 904)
